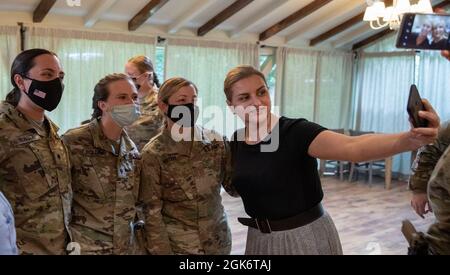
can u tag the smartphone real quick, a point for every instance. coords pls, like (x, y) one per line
(424, 31)
(415, 105)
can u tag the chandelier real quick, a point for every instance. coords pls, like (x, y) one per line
(381, 16)
(73, 3)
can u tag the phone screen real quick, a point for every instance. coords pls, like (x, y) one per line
(424, 31)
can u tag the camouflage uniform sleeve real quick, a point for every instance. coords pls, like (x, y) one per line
(227, 170)
(156, 237)
(426, 159)
(4, 148)
(3, 155)
(66, 141)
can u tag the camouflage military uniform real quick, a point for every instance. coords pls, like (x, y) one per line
(105, 182)
(438, 235)
(149, 123)
(181, 183)
(432, 175)
(426, 160)
(35, 178)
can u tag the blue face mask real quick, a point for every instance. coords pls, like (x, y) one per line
(125, 115)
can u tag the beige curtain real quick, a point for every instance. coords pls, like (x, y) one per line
(315, 85)
(382, 83)
(10, 47)
(86, 57)
(206, 63)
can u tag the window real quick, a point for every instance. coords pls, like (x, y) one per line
(268, 67)
(160, 57)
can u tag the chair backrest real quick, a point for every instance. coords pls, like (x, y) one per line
(359, 133)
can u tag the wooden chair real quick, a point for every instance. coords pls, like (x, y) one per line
(367, 167)
(334, 167)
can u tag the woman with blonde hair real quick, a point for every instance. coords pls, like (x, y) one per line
(184, 168)
(280, 187)
(439, 35)
(141, 71)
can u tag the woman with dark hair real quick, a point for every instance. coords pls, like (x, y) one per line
(275, 168)
(105, 179)
(141, 70)
(34, 164)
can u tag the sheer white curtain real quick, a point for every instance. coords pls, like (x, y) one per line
(206, 63)
(386, 44)
(86, 58)
(382, 85)
(334, 92)
(298, 83)
(315, 85)
(434, 82)
(10, 47)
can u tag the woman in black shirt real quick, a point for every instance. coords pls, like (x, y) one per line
(275, 168)
(439, 35)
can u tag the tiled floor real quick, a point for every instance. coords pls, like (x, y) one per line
(368, 218)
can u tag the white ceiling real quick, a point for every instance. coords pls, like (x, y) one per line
(178, 15)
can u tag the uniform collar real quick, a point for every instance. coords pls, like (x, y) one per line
(22, 122)
(102, 142)
(149, 100)
(186, 147)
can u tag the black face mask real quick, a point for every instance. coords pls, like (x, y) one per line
(184, 115)
(46, 94)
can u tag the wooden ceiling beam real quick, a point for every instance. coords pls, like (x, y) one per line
(142, 16)
(371, 39)
(42, 10)
(336, 30)
(222, 16)
(293, 18)
(253, 21)
(342, 27)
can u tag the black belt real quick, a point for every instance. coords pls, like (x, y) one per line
(302, 219)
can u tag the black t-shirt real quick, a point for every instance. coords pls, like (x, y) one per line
(283, 183)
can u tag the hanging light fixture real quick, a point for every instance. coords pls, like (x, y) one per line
(381, 16)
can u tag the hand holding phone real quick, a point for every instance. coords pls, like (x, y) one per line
(415, 105)
(424, 31)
